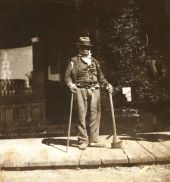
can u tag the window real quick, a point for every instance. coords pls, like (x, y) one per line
(16, 67)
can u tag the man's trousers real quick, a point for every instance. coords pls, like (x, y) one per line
(88, 114)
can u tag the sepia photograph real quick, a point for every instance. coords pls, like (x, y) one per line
(84, 90)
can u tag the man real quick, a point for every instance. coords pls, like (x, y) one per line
(84, 78)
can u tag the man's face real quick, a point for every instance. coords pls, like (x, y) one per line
(85, 51)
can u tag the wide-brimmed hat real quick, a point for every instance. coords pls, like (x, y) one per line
(84, 42)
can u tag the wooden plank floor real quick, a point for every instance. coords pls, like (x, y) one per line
(160, 152)
(143, 148)
(136, 153)
(158, 144)
(136, 150)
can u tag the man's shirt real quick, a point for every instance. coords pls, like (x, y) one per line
(86, 73)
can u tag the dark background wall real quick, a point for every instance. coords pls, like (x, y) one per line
(128, 35)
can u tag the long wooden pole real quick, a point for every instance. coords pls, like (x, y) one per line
(69, 123)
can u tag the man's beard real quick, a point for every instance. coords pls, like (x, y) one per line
(86, 54)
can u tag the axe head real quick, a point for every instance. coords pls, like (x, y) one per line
(116, 143)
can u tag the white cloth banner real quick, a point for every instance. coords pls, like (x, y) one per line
(16, 63)
(127, 92)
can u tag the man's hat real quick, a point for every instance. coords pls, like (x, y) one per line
(84, 42)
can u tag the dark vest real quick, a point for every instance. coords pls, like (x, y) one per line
(76, 63)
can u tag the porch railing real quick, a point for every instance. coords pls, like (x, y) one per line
(13, 87)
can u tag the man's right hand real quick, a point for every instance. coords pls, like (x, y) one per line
(72, 87)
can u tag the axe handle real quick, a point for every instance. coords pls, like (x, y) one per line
(113, 115)
(69, 123)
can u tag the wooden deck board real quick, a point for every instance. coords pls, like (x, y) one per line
(90, 156)
(113, 156)
(166, 143)
(136, 153)
(160, 151)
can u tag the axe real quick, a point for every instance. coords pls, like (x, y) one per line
(116, 142)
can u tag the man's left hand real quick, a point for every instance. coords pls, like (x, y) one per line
(109, 87)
